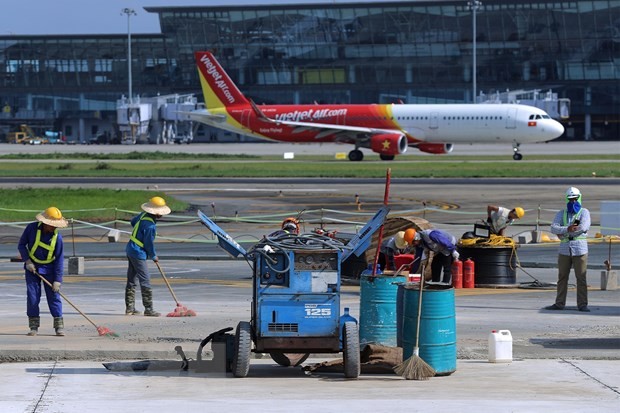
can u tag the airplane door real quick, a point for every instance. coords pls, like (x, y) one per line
(434, 120)
(511, 118)
(246, 115)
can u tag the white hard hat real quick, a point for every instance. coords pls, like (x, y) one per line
(572, 192)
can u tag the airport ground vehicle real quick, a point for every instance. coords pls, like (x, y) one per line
(25, 135)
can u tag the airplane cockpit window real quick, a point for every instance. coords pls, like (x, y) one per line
(538, 117)
(546, 117)
(532, 117)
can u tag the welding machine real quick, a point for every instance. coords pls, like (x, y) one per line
(296, 297)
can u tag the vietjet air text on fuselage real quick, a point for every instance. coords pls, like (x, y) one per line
(387, 129)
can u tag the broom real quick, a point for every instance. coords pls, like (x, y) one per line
(414, 368)
(103, 331)
(180, 310)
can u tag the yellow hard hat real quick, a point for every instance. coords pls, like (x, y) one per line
(156, 206)
(53, 217)
(409, 235)
(519, 212)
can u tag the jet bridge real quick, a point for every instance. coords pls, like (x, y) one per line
(557, 108)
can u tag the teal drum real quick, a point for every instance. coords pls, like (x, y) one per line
(437, 340)
(377, 324)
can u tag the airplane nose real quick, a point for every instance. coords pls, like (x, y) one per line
(554, 129)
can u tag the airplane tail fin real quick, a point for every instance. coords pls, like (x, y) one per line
(218, 88)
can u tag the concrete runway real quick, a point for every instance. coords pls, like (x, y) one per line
(563, 360)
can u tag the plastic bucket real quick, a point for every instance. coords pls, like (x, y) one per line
(437, 340)
(494, 266)
(378, 297)
(403, 259)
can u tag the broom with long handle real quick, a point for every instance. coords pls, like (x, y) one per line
(180, 310)
(103, 331)
(415, 368)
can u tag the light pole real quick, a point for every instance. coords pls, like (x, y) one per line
(129, 12)
(474, 5)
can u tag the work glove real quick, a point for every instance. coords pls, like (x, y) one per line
(155, 259)
(455, 255)
(56, 286)
(30, 266)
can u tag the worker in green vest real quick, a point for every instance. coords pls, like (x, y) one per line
(41, 249)
(571, 225)
(140, 248)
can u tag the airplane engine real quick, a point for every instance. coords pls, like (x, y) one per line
(436, 148)
(388, 144)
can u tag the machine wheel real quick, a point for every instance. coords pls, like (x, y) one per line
(351, 350)
(386, 157)
(288, 359)
(356, 155)
(517, 156)
(243, 348)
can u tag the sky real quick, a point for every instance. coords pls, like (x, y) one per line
(37, 17)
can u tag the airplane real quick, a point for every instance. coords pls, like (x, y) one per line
(387, 129)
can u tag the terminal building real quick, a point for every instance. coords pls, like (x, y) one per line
(363, 52)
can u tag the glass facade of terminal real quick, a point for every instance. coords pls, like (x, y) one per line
(414, 52)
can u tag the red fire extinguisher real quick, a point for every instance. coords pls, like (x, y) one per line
(468, 274)
(457, 273)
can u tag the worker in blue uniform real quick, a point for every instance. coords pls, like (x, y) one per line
(139, 249)
(41, 249)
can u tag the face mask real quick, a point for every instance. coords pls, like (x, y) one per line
(573, 207)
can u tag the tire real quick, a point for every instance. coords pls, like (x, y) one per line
(243, 348)
(288, 359)
(351, 350)
(356, 155)
(517, 156)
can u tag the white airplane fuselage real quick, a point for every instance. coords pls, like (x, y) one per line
(387, 129)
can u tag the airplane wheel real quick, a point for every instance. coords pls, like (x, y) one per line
(386, 157)
(351, 350)
(356, 155)
(288, 359)
(243, 348)
(517, 156)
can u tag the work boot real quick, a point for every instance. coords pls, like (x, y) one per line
(59, 326)
(147, 300)
(130, 302)
(33, 324)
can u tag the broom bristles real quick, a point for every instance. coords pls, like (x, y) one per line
(414, 368)
(104, 331)
(181, 311)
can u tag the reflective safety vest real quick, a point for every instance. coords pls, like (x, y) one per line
(40, 244)
(566, 223)
(134, 233)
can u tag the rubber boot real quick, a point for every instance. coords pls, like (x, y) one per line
(130, 302)
(147, 300)
(59, 326)
(33, 324)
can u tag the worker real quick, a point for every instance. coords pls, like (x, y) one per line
(499, 218)
(394, 245)
(139, 249)
(443, 246)
(41, 249)
(289, 225)
(571, 225)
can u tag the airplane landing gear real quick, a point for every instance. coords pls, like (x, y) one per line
(517, 155)
(356, 155)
